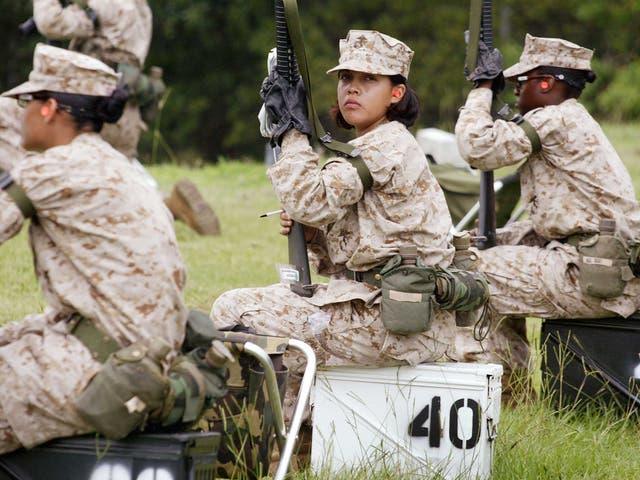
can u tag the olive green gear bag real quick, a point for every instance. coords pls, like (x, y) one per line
(604, 266)
(129, 388)
(408, 296)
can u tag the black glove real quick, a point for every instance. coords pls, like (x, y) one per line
(488, 67)
(286, 106)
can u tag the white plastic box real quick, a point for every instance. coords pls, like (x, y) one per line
(441, 146)
(433, 419)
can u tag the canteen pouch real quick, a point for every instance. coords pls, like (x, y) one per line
(408, 296)
(604, 266)
(128, 388)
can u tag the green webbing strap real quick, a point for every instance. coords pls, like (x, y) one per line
(531, 133)
(501, 110)
(340, 148)
(17, 194)
(100, 344)
(475, 22)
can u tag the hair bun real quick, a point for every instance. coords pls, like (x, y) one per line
(109, 109)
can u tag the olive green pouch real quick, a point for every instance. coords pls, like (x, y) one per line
(604, 266)
(121, 396)
(408, 296)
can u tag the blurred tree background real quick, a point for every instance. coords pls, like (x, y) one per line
(213, 53)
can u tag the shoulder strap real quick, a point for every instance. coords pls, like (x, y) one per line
(501, 110)
(530, 132)
(17, 194)
(342, 149)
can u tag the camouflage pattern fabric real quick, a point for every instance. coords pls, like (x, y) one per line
(405, 205)
(553, 52)
(10, 136)
(245, 417)
(341, 333)
(574, 181)
(104, 246)
(373, 52)
(59, 70)
(123, 35)
(341, 321)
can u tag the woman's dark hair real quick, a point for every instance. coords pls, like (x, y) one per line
(575, 80)
(406, 111)
(91, 110)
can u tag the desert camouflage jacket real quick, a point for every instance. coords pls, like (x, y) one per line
(122, 35)
(361, 230)
(574, 181)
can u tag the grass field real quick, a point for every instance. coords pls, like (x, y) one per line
(534, 442)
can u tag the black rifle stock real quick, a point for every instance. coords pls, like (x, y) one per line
(288, 69)
(480, 27)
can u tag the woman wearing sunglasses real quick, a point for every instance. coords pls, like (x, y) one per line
(575, 189)
(104, 249)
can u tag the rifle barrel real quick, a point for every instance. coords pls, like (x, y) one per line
(288, 68)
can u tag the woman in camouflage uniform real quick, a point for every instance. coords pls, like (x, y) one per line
(352, 232)
(104, 248)
(119, 32)
(572, 182)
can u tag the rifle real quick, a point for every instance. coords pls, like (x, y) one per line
(481, 28)
(287, 68)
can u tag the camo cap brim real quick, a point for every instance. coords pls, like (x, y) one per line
(550, 52)
(59, 70)
(373, 52)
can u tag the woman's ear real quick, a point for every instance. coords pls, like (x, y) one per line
(48, 109)
(397, 93)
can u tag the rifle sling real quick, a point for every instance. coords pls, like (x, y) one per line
(340, 148)
(17, 194)
(500, 110)
(531, 133)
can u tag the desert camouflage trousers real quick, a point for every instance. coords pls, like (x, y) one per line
(8, 439)
(341, 334)
(528, 281)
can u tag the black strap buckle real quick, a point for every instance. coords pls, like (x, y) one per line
(5, 180)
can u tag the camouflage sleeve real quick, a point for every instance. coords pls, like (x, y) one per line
(11, 218)
(61, 23)
(311, 195)
(484, 143)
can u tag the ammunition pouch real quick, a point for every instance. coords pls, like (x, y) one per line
(131, 391)
(606, 264)
(129, 388)
(410, 292)
(145, 91)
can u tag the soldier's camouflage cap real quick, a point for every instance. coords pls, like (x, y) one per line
(373, 52)
(59, 70)
(550, 52)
